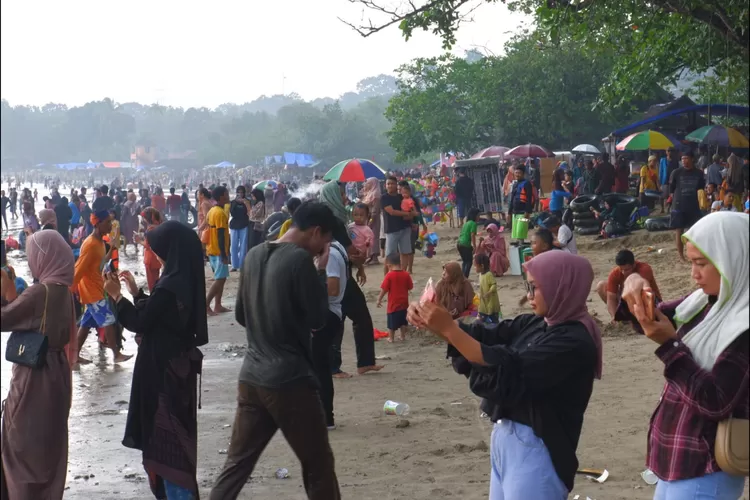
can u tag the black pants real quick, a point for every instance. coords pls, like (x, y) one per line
(467, 258)
(355, 308)
(322, 353)
(260, 413)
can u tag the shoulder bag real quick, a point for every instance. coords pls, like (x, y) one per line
(732, 447)
(29, 348)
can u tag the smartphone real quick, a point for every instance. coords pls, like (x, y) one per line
(110, 267)
(3, 258)
(649, 303)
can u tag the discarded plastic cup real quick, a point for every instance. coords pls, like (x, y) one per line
(649, 477)
(282, 473)
(395, 408)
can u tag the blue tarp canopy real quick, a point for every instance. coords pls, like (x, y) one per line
(299, 159)
(701, 109)
(71, 166)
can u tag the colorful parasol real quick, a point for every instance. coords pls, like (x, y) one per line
(530, 151)
(645, 140)
(491, 151)
(354, 170)
(262, 185)
(719, 135)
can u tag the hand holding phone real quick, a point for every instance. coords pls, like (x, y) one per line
(649, 304)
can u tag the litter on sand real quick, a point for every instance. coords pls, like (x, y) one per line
(598, 475)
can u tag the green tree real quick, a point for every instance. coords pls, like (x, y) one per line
(535, 94)
(652, 42)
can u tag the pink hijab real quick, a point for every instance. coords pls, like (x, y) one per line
(371, 191)
(51, 262)
(50, 258)
(565, 281)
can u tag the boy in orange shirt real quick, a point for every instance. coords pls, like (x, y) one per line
(89, 283)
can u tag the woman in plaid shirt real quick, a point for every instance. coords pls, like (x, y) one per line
(704, 343)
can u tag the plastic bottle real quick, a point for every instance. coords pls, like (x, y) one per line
(395, 408)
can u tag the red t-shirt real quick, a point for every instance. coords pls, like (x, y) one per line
(616, 279)
(397, 284)
(174, 201)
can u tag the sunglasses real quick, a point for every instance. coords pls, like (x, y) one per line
(530, 288)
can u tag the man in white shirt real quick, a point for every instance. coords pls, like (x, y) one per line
(565, 238)
(323, 340)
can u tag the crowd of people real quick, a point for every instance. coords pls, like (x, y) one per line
(300, 262)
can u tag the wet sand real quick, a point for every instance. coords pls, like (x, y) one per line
(442, 453)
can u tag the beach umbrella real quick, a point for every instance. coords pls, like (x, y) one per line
(354, 170)
(586, 148)
(644, 141)
(719, 135)
(262, 185)
(491, 151)
(530, 151)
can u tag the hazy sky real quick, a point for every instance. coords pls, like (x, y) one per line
(206, 53)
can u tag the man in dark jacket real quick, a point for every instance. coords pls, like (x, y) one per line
(464, 193)
(606, 175)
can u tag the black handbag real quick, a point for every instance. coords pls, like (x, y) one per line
(29, 348)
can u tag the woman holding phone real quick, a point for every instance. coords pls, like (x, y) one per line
(703, 342)
(535, 373)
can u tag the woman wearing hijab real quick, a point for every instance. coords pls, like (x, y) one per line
(354, 303)
(454, 292)
(152, 219)
(170, 325)
(47, 219)
(704, 343)
(35, 416)
(535, 374)
(735, 180)
(371, 197)
(257, 216)
(494, 246)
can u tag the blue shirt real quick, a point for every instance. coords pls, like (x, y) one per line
(556, 201)
(663, 171)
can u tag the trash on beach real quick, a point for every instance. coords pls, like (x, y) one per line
(598, 475)
(282, 473)
(395, 408)
(456, 403)
(382, 357)
(649, 477)
(222, 452)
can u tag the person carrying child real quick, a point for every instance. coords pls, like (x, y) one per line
(489, 302)
(396, 284)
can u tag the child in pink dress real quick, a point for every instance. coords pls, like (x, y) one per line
(362, 236)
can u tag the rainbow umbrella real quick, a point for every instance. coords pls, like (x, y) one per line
(719, 135)
(643, 141)
(354, 170)
(262, 185)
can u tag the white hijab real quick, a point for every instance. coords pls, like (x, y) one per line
(724, 239)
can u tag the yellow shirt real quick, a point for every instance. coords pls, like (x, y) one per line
(285, 227)
(217, 219)
(488, 286)
(648, 179)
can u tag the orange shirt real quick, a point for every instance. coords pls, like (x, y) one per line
(88, 272)
(617, 279)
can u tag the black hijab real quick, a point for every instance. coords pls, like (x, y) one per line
(183, 274)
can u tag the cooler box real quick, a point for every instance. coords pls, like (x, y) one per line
(514, 256)
(520, 227)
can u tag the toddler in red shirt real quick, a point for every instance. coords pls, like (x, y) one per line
(397, 284)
